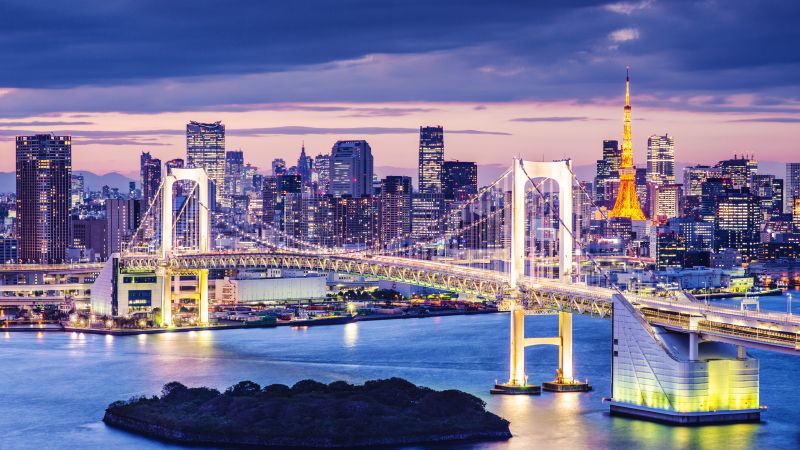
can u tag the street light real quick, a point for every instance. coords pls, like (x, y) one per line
(788, 304)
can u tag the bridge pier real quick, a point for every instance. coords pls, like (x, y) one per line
(518, 379)
(164, 275)
(202, 287)
(673, 377)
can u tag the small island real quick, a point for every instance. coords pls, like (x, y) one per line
(309, 414)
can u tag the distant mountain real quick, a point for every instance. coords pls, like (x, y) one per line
(93, 181)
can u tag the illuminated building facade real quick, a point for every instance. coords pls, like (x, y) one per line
(738, 172)
(321, 175)
(395, 209)
(459, 180)
(676, 378)
(666, 201)
(627, 204)
(607, 172)
(234, 177)
(791, 186)
(77, 190)
(695, 176)
(736, 224)
(351, 169)
(205, 148)
(661, 159)
(151, 178)
(431, 159)
(44, 169)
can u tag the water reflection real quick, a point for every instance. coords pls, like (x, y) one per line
(350, 334)
(57, 393)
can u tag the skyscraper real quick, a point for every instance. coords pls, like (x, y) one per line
(77, 190)
(661, 159)
(322, 173)
(395, 209)
(234, 177)
(176, 163)
(205, 148)
(459, 180)
(737, 172)
(431, 159)
(122, 220)
(791, 186)
(736, 222)
(278, 167)
(351, 169)
(44, 168)
(627, 204)
(695, 176)
(151, 178)
(304, 166)
(607, 171)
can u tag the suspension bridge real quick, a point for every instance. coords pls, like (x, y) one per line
(517, 242)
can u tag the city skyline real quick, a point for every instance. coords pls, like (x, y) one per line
(735, 93)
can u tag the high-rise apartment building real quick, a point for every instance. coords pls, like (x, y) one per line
(90, 235)
(459, 180)
(151, 178)
(44, 168)
(395, 209)
(351, 169)
(431, 159)
(234, 177)
(205, 148)
(791, 187)
(661, 159)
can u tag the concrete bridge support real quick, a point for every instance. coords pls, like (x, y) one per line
(675, 377)
(518, 379)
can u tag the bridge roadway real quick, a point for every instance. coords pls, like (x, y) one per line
(767, 330)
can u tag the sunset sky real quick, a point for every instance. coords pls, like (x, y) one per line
(504, 78)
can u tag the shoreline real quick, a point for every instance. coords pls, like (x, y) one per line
(238, 326)
(165, 434)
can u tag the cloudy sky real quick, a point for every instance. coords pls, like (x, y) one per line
(537, 79)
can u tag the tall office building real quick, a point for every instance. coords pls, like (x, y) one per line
(278, 167)
(176, 163)
(431, 159)
(666, 202)
(205, 148)
(77, 190)
(661, 159)
(607, 171)
(234, 177)
(44, 168)
(351, 169)
(122, 220)
(459, 180)
(427, 211)
(90, 235)
(304, 166)
(395, 209)
(627, 204)
(791, 186)
(737, 220)
(151, 178)
(737, 172)
(322, 174)
(695, 176)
